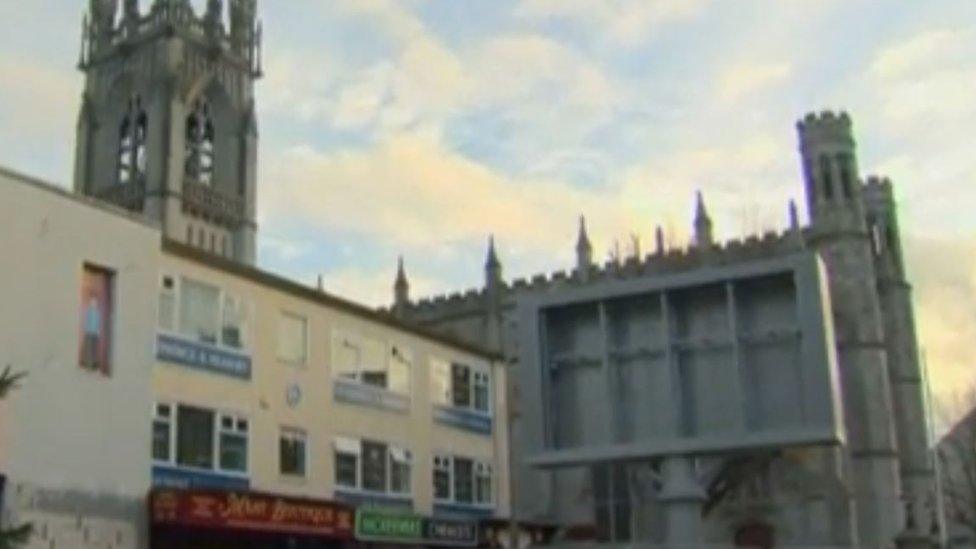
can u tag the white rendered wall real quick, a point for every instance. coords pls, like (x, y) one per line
(74, 443)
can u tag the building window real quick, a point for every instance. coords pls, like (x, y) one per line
(482, 484)
(400, 461)
(461, 386)
(481, 391)
(162, 433)
(195, 437)
(133, 131)
(200, 144)
(292, 339)
(96, 311)
(205, 313)
(442, 478)
(347, 453)
(462, 480)
(374, 466)
(292, 449)
(826, 177)
(846, 179)
(199, 306)
(370, 362)
(233, 443)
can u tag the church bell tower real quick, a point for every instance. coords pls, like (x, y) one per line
(167, 126)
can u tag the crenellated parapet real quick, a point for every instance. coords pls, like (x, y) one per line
(826, 126)
(474, 301)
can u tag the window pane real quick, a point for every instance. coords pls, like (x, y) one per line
(374, 466)
(481, 392)
(442, 484)
(199, 304)
(194, 437)
(292, 454)
(167, 305)
(292, 342)
(399, 372)
(160, 441)
(461, 385)
(95, 344)
(346, 469)
(463, 480)
(440, 382)
(233, 452)
(483, 485)
(232, 333)
(400, 477)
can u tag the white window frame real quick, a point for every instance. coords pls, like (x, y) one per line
(282, 313)
(171, 426)
(175, 329)
(444, 463)
(399, 455)
(234, 430)
(480, 468)
(393, 353)
(349, 446)
(294, 434)
(394, 454)
(476, 374)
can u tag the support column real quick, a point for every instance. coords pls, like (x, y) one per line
(683, 499)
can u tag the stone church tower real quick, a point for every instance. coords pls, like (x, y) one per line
(167, 125)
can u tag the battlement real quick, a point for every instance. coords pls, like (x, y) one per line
(769, 244)
(826, 126)
(877, 181)
(878, 192)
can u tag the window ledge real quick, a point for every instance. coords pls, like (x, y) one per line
(352, 392)
(464, 418)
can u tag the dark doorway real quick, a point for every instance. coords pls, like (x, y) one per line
(755, 535)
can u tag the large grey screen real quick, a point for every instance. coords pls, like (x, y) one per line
(716, 359)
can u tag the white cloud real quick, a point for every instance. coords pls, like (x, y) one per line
(737, 82)
(629, 22)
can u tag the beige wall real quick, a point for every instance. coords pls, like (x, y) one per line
(263, 398)
(72, 441)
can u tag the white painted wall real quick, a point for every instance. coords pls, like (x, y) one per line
(74, 443)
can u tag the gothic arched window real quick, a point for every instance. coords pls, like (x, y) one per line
(846, 180)
(200, 144)
(825, 176)
(133, 132)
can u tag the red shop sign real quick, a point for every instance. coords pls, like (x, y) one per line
(251, 511)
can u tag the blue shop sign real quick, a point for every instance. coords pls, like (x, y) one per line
(467, 420)
(202, 356)
(185, 479)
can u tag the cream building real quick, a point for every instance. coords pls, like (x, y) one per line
(74, 436)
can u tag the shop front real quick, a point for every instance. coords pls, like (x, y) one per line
(381, 529)
(216, 519)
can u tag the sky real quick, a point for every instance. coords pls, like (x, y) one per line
(419, 127)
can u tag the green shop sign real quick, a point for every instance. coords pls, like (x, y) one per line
(375, 525)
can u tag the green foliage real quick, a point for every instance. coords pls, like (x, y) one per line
(9, 381)
(20, 535)
(16, 537)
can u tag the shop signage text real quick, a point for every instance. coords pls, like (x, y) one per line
(372, 525)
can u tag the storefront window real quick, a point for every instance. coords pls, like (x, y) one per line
(194, 437)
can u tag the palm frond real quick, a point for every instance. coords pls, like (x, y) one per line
(10, 381)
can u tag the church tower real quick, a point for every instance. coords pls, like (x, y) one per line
(838, 231)
(167, 126)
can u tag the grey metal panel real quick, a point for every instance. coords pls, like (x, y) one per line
(718, 359)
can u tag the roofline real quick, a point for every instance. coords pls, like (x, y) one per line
(296, 289)
(47, 186)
